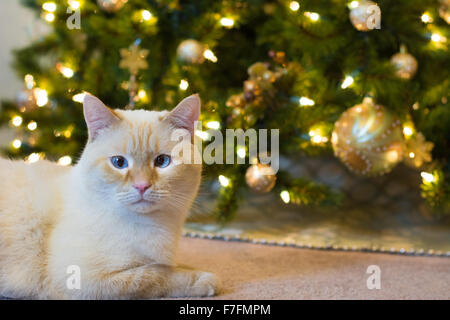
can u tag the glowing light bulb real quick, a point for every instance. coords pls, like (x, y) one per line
(241, 152)
(412, 155)
(32, 125)
(304, 101)
(435, 37)
(353, 4)
(284, 195)
(65, 71)
(33, 157)
(184, 84)
(426, 18)
(348, 81)
(146, 15)
(74, 5)
(41, 97)
(213, 125)
(202, 134)
(208, 54)
(227, 22)
(224, 181)
(50, 17)
(427, 177)
(65, 161)
(314, 16)
(16, 121)
(408, 131)
(142, 94)
(294, 6)
(49, 6)
(16, 143)
(79, 97)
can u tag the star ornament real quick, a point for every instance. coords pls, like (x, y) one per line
(133, 59)
(418, 151)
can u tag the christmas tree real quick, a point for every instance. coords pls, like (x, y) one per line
(365, 81)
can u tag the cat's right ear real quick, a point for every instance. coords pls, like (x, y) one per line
(97, 115)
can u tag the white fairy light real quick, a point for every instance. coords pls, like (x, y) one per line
(213, 125)
(32, 125)
(427, 177)
(65, 161)
(49, 6)
(184, 84)
(16, 143)
(146, 15)
(304, 101)
(208, 54)
(294, 6)
(241, 153)
(224, 181)
(16, 121)
(79, 97)
(227, 22)
(284, 195)
(348, 81)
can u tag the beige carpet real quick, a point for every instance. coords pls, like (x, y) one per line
(250, 271)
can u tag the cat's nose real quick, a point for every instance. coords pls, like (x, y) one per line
(141, 187)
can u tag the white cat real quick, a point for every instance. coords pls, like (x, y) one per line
(115, 216)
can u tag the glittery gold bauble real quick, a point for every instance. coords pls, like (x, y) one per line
(191, 51)
(111, 5)
(361, 15)
(405, 64)
(444, 10)
(368, 139)
(260, 177)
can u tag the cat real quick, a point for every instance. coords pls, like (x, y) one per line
(113, 220)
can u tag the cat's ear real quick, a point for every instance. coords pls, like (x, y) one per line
(97, 115)
(186, 113)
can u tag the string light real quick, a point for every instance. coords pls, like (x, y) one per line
(32, 125)
(348, 81)
(65, 71)
(74, 5)
(435, 37)
(316, 136)
(412, 155)
(408, 130)
(29, 81)
(208, 54)
(284, 195)
(16, 121)
(142, 94)
(34, 157)
(202, 134)
(184, 84)
(427, 177)
(79, 97)
(353, 4)
(213, 125)
(241, 153)
(314, 16)
(294, 6)
(224, 181)
(426, 18)
(50, 17)
(41, 97)
(304, 101)
(227, 22)
(16, 143)
(64, 161)
(49, 6)
(146, 15)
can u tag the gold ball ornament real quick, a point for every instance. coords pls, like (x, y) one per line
(444, 10)
(362, 15)
(404, 63)
(191, 51)
(368, 139)
(260, 177)
(111, 5)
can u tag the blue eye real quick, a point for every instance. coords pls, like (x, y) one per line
(162, 161)
(119, 162)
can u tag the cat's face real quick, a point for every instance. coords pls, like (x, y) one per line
(128, 161)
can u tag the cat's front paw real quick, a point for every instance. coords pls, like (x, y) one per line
(206, 285)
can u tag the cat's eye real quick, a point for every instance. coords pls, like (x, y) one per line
(119, 162)
(162, 161)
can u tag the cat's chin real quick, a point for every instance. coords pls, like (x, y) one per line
(142, 206)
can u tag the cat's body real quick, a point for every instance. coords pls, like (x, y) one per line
(99, 219)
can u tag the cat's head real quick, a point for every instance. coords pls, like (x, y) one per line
(129, 161)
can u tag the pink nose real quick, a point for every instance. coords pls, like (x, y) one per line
(141, 187)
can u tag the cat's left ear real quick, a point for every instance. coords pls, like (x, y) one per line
(186, 113)
(97, 115)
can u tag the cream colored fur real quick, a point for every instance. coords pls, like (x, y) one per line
(53, 217)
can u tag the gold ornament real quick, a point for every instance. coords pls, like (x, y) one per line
(236, 101)
(368, 139)
(405, 64)
(444, 10)
(362, 16)
(418, 150)
(111, 5)
(260, 177)
(191, 51)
